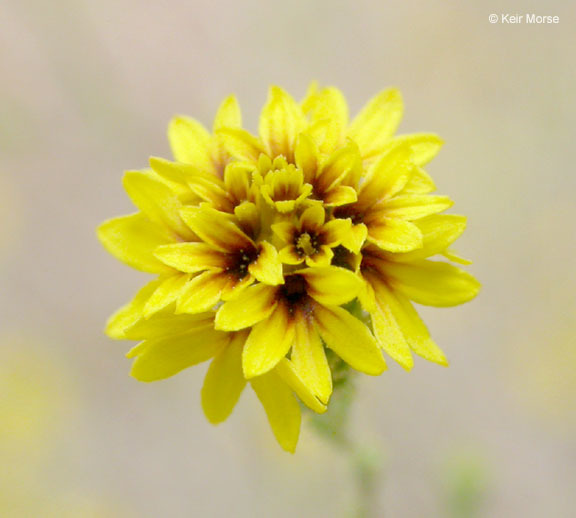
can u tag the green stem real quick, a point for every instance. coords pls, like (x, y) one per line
(367, 469)
(364, 461)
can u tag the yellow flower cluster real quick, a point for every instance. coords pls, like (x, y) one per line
(258, 242)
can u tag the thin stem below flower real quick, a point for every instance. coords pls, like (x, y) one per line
(364, 461)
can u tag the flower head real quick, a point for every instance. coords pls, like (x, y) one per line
(309, 238)
(282, 186)
(259, 243)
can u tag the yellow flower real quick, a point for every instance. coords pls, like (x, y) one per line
(282, 186)
(259, 242)
(309, 238)
(296, 316)
(228, 259)
(392, 281)
(192, 144)
(390, 200)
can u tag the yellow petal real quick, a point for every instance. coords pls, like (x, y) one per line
(335, 231)
(420, 182)
(341, 164)
(167, 293)
(287, 372)
(131, 313)
(268, 342)
(174, 172)
(318, 131)
(306, 156)
(289, 255)
(228, 114)
(313, 217)
(366, 297)
(250, 307)
(415, 206)
(281, 408)
(133, 239)
(202, 292)
(387, 176)
(155, 200)
(191, 143)
(284, 189)
(321, 258)
(356, 238)
(216, 228)
(198, 185)
(350, 339)
(235, 286)
(248, 216)
(285, 230)
(268, 267)
(331, 285)
(224, 382)
(241, 144)
(453, 256)
(395, 235)
(377, 122)
(165, 324)
(164, 357)
(281, 121)
(438, 233)
(174, 175)
(237, 178)
(310, 98)
(340, 195)
(331, 105)
(191, 257)
(282, 206)
(390, 336)
(412, 327)
(289, 205)
(432, 283)
(309, 360)
(424, 146)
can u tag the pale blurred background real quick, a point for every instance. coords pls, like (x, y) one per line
(87, 90)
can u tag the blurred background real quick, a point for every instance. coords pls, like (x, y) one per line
(87, 91)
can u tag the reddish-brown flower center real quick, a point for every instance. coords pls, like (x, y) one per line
(293, 293)
(349, 211)
(240, 260)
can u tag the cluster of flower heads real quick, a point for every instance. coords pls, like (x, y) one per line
(261, 244)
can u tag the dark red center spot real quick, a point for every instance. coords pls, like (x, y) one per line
(240, 260)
